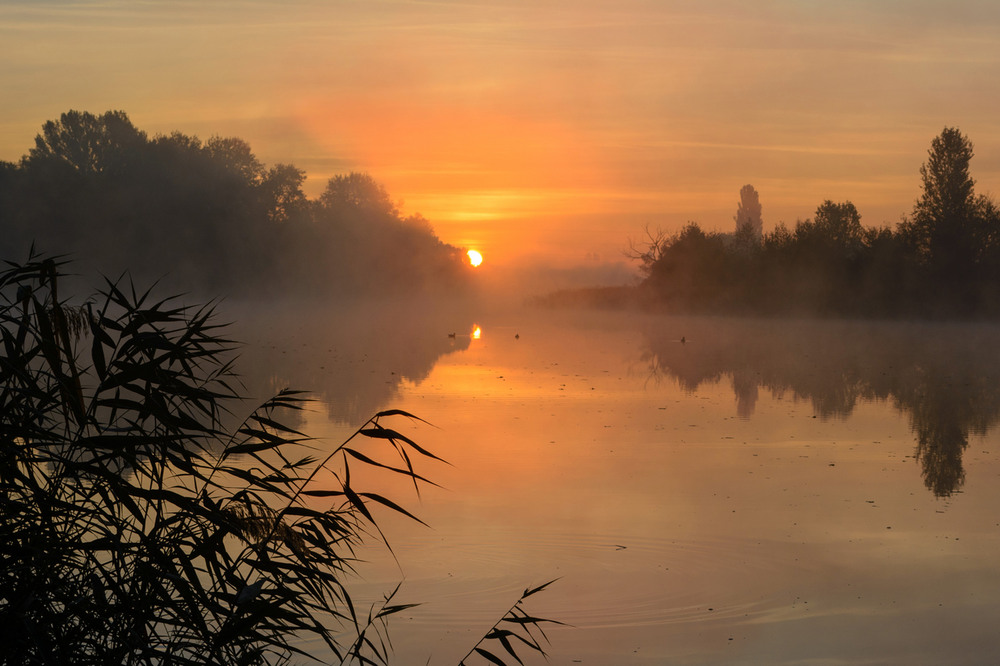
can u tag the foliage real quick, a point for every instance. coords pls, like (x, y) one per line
(697, 270)
(840, 225)
(360, 192)
(946, 208)
(87, 143)
(942, 261)
(515, 629)
(748, 213)
(211, 216)
(139, 526)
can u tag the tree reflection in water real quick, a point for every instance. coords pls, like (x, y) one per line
(352, 358)
(943, 376)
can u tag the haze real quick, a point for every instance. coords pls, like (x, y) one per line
(538, 129)
(700, 302)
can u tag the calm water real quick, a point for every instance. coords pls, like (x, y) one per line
(762, 492)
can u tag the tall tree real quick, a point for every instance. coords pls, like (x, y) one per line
(946, 228)
(748, 213)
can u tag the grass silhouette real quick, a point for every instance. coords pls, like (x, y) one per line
(139, 527)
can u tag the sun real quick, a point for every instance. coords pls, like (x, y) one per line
(475, 258)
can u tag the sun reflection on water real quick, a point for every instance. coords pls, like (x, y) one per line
(476, 332)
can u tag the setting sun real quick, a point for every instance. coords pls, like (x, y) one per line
(475, 258)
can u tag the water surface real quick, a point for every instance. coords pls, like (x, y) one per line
(706, 490)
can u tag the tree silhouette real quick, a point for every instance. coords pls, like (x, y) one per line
(945, 207)
(235, 156)
(282, 188)
(839, 224)
(942, 261)
(359, 191)
(88, 143)
(211, 216)
(949, 226)
(748, 213)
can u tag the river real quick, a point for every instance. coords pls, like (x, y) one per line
(704, 490)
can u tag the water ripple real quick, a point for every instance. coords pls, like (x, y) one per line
(606, 580)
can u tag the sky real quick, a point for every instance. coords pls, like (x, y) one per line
(536, 129)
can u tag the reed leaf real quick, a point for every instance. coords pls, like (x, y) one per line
(523, 632)
(136, 529)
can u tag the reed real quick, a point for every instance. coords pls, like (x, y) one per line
(138, 527)
(515, 629)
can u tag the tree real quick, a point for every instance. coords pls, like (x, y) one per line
(839, 224)
(827, 259)
(360, 192)
(649, 251)
(236, 157)
(87, 143)
(748, 213)
(210, 215)
(945, 228)
(699, 271)
(282, 191)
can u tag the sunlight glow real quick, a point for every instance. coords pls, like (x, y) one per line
(520, 129)
(475, 258)
(477, 332)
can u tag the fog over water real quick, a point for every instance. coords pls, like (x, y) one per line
(706, 489)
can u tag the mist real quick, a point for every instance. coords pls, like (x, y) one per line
(353, 358)
(210, 220)
(366, 308)
(340, 294)
(935, 373)
(941, 261)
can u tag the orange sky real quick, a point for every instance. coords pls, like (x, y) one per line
(538, 128)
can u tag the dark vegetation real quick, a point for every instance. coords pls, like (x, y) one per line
(211, 217)
(145, 521)
(146, 517)
(941, 375)
(941, 261)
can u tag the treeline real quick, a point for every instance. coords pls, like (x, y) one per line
(210, 216)
(942, 260)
